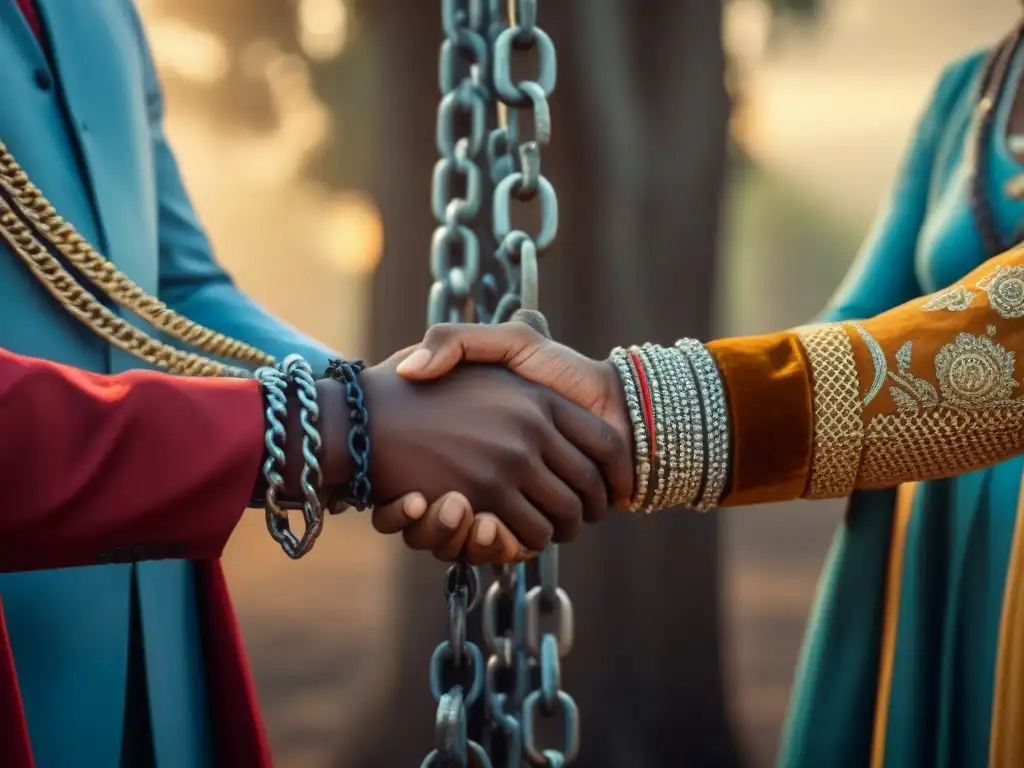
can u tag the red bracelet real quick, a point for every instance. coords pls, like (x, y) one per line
(645, 391)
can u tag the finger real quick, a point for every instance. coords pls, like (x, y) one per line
(533, 318)
(556, 500)
(581, 474)
(396, 515)
(491, 542)
(446, 345)
(446, 521)
(599, 441)
(524, 520)
(402, 354)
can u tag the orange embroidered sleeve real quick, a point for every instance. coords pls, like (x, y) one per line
(927, 390)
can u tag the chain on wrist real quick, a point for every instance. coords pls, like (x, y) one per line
(292, 372)
(677, 409)
(357, 493)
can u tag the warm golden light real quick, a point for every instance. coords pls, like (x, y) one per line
(188, 52)
(303, 124)
(746, 26)
(351, 233)
(323, 25)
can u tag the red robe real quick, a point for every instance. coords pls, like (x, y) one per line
(138, 465)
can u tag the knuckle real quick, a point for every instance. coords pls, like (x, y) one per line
(525, 333)
(572, 509)
(591, 480)
(568, 531)
(517, 460)
(538, 535)
(379, 521)
(415, 540)
(486, 485)
(611, 441)
(536, 420)
(438, 335)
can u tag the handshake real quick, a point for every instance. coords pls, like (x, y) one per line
(486, 441)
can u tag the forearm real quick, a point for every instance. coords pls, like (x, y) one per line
(133, 466)
(924, 391)
(219, 304)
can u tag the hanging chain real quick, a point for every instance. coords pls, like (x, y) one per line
(521, 681)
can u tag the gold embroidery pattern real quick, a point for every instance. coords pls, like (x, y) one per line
(975, 372)
(924, 445)
(1005, 289)
(877, 360)
(956, 299)
(910, 392)
(838, 428)
(971, 420)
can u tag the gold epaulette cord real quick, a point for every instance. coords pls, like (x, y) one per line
(28, 221)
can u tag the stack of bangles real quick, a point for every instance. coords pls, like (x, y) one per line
(294, 374)
(680, 422)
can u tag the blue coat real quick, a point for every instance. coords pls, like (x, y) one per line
(86, 125)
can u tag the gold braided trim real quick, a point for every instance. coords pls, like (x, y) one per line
(933, 443)
(83, 305)
(835, 393)
(27, 206)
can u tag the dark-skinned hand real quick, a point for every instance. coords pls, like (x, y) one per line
(535, 461)
(591, 384)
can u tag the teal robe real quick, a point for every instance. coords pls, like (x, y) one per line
(958, 538)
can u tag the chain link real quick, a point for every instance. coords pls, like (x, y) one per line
(520, 683)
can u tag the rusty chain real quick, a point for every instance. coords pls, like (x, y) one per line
(482, 119)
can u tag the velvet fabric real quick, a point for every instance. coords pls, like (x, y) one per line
(89, 488)
(768, 390)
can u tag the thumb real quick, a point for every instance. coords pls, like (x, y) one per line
(447, 345)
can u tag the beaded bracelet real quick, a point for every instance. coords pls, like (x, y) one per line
(621, 359)
(357, 494)
(295, 372)
(716, 417)
(677, 409)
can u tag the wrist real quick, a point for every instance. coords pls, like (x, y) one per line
(336, 460)
(614, 408)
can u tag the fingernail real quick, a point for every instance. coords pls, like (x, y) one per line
(414, 507)
(417, 361)
(525, 554)
(486, 532)
(451, 514)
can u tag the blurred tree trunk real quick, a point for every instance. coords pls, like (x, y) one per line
(638, 159)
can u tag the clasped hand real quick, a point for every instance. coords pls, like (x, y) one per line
(494, 461)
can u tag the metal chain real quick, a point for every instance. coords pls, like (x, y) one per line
(29, 223)
(457, 195)
(521, 682)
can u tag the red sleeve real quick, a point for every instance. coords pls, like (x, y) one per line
(138, 466)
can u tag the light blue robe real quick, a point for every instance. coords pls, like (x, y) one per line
(89, 133)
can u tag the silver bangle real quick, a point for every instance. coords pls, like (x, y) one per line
(690, 450)
(692, 434)
(660, 464)
(716, 421)
(622, 361)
